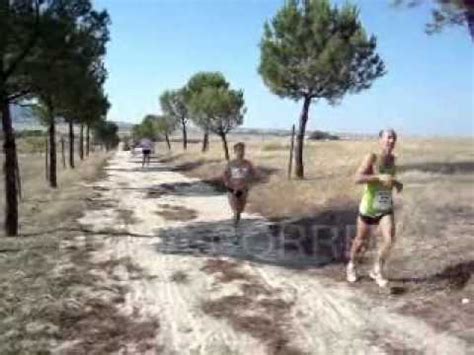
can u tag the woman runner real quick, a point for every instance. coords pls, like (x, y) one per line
(376, 207)
(238, 175)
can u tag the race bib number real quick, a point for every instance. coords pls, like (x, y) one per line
(238, 172)
(383, 200)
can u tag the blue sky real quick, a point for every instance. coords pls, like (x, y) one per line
(158, 44)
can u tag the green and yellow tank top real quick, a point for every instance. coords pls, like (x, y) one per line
(377, 199)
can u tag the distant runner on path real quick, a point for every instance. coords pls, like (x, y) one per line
(237, 177)
(147, 148)
(376, 207)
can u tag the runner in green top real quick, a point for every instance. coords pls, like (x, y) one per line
(376, 207)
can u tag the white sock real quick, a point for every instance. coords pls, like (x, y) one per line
(378, 268)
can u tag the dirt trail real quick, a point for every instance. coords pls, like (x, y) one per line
(213, 293)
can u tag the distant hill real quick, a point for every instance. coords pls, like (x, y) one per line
(23, 119)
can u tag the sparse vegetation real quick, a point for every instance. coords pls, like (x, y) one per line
(320, 135)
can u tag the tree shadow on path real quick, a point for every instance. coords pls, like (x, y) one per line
(297, 243)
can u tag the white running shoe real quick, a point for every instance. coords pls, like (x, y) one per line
(351, 273)
(378, 278)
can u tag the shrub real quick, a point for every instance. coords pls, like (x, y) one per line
(320, 135)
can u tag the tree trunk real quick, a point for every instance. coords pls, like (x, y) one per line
(18, 178)
(46, 159)
(292, 150)
(71, 144)
(88, 140)
(224, 144)
(205, 141)
(53, 181)
(9, 149)
(81, 143)
(168, 141)
(9, 144)
(63, 152)
(185, 136)
(299, 167)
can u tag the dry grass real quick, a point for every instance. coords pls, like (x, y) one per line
(37, 195)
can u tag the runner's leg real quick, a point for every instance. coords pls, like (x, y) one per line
(363, 233)
(387, 229)
(233, 202)
(241, 203)
(360, 240)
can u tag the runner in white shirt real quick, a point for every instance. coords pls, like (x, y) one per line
(238, 175)
(147, 148)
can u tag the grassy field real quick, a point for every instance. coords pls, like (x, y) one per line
(433, 259)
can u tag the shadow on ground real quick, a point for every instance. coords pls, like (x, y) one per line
(297, 244)
(144, 170)
(194, 188)
(303, 243)
(454, 277)
(448, 168)
(190, 166)
(168, 159)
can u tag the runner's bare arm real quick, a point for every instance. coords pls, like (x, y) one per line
(396, 183)
(254, 174)
(226, 176)
(364, 173)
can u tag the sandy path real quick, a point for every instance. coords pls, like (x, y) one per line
(175, 228)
